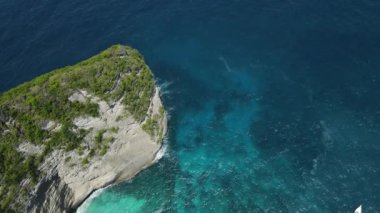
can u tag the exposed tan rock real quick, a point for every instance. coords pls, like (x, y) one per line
(68, 182)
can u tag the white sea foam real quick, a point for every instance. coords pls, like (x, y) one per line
(162, 152)
(82, 208)
(163, 87)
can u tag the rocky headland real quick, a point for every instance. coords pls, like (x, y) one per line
(77, 129)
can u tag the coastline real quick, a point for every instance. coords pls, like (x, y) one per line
(77, 129)
(132, 151)
(83, 206)
(135, 152)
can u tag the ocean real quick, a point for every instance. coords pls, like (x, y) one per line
(274, 104)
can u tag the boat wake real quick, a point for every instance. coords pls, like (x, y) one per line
(225, 63)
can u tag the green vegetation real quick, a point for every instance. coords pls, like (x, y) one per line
(99, 136)
(114, 129)
(152, 125)
(118, 72)
(85, 160)
(104, 149)
(139, 90)
(101, 144)
(109, 139)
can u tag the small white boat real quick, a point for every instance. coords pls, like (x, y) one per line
(359, 209)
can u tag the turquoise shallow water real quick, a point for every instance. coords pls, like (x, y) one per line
(274, 105)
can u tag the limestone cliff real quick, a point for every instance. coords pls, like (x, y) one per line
(109, 126)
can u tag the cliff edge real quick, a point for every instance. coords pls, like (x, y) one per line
(77, 129)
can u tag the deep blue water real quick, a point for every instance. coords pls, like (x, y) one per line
(274, 105)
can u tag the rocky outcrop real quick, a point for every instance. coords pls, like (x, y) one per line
(52, 195)
(69, 180)
(76, 129)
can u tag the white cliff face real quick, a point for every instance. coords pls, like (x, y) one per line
(69, 181)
